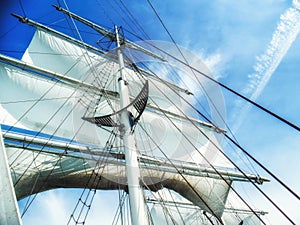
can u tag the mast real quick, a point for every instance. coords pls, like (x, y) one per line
(93, 49)
(107, 33)
(9, 210)
(136, 197)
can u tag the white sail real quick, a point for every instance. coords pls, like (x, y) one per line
(182, 214)
(169, 208)
(49, 145)
(213, 192)
(53, 97)
(237, 212)
(58, 54)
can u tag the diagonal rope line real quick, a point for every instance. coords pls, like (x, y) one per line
(235, 143)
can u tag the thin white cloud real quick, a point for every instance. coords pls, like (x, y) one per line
(296, 4)
(282, 39)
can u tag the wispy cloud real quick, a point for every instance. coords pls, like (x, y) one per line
(282, 39)
(296, 4)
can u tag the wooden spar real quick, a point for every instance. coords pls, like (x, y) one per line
(153, 163)
(92, 48)
(69, 81)
(108, 34)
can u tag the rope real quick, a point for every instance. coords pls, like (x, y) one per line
(22, 7)
(215, 81)
(162, 92)
(235, 143)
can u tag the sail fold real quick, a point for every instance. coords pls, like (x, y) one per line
(50, 146)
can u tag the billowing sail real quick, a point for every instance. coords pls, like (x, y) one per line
(50, 146)
(68, 59)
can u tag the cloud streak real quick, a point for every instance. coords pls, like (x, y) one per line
(282, 39)
(285, 34)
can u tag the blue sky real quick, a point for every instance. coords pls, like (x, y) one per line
(248, 45)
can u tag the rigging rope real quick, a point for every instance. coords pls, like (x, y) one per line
(166, 211)
(229, 160)
(91, 185)
(205, 117)
(162, 92)
(234, 92)
(183, 177)
(186, 179)
(271, 201)
(214, 168)
(219, 83)
(46, 123)
(243, 150)
(134, 20)
(51, 136)
(103, 10)
(229, 137)
(22, 7)
(60, 156)
(262, 166)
